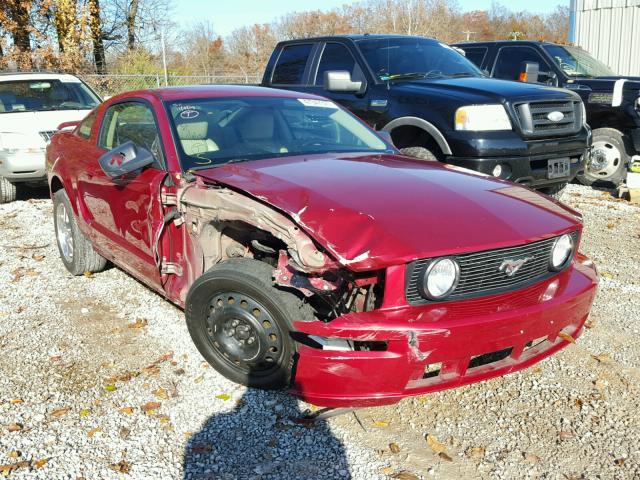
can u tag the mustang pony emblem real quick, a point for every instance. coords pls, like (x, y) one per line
(511, 265)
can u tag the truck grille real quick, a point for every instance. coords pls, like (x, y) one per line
(534, 117)
(480, 271)
(47, 134)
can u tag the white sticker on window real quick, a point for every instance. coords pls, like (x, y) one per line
(311, 102)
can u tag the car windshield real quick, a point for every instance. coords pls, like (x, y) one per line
(415, 58)
(46, 94)
(578, 63)
(215, 131)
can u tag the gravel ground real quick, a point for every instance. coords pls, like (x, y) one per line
(99, 379)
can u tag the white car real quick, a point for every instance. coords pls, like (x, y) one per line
(32, 105)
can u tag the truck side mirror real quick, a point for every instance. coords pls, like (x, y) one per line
(124, 159)
(529, 72)
(340, 81)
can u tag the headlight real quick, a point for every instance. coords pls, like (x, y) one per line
(561, 252)
(484, 118)
(440, 278)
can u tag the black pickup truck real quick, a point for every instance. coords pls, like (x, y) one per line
(438, 105)
(612, 101)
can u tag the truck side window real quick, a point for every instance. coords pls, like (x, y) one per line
(289, 69)
(476, 54)
(509, 62)
(335, 56)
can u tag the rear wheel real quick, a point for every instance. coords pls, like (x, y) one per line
(608, 160)
(241, 323)
(419, 152)
(7, 191)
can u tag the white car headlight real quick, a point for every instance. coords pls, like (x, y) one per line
(441, 278)
(561, 252)
(485, 118)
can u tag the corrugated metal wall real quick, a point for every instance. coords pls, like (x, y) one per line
(610, 31)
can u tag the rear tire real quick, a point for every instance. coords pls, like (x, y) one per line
(419, 152)
(241, 323)
(7, 191)
(608, 160)
(76, 252)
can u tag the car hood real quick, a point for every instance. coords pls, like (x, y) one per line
(376, 211)
(480, 89)
(31, 123)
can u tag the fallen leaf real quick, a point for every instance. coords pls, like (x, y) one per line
(611, 226)
(38, 257)
(476, 452)
(139, 323)
(5, 470)
(435, 445)
(150, 407)
(386, 471)
(446, 457)
(619, 462)
(566, 337)
(602, 358)
(187, 434)
(15, 427)
(40, 463)
(161, 393)
(179, 371)
(60, 412)
(531, 458)
(198, 379)
(380, 423)
(578, 403)
(122, 466)
(405, 475)
(590, 324)
(225, 397)
(151, 370)
(124, 433)
(93, 431)
(55, 358)
(394, 447)
(88, 274)
(600, 384)
(164, 419)
(606, 275)
(14, 454)
(16, 401)
(564, 435)
(85, 412)
(127, 410)
(110, 388)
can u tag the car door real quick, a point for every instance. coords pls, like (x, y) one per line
(124, 214)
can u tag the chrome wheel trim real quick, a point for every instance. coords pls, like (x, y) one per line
(605, 159)
(64, 232)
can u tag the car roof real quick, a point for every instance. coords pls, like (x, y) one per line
(504, 42)
(63, 77)
(355, 37)
(214, 91)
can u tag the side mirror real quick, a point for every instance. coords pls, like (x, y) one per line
(340, 81)
(68, 125)
(124, 159)
(529, 72)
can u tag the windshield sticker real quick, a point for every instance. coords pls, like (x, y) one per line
(189, 114)
(310, 102)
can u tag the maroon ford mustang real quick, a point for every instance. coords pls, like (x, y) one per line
(307, 253)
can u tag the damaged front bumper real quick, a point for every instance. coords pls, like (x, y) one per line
(441, 345)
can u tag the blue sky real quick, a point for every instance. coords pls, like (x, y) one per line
(227, 15)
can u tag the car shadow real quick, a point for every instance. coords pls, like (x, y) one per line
(260, 439)
(29, 192)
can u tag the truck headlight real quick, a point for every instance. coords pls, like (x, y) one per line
(561, 252)
(440, 278)
(482, 118)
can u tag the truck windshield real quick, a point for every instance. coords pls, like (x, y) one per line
(414, 58)
(48, 94)
(215, 131)
(578, 63)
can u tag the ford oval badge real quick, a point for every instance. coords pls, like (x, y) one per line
(555, 116)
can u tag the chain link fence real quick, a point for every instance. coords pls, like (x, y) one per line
(107, 85)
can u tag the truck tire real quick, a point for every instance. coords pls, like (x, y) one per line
(555, 191)
(608, 160)
(241, 323)
(76, 252)
(419, 152)
(7, 191)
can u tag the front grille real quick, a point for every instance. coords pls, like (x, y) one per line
(480, 271)
(534, 121)
(47, 134)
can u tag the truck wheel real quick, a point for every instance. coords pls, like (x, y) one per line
(7, 191)
(555, 191)
(419, 152)
(608, 160)
(76, 251)
(241, 323)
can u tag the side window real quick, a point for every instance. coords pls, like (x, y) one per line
(510, 59)
(335, 56)
(86, 125)
(131, 121)
(476, 54)
(289, 69)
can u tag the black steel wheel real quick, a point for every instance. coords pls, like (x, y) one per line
(241, 323)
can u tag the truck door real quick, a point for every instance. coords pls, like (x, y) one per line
(509, 62)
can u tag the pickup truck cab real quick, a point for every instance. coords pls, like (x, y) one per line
(438, 105)
(612, 101)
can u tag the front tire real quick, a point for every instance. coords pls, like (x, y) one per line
(419, 152)
(7, 191)
(608, 160)
(76, 252)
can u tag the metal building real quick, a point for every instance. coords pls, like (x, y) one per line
(610, 31)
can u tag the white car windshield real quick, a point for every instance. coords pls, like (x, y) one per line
(215, 131)
(46, 94)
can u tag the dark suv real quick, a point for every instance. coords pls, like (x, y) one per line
(612, 101)
(436, 104)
